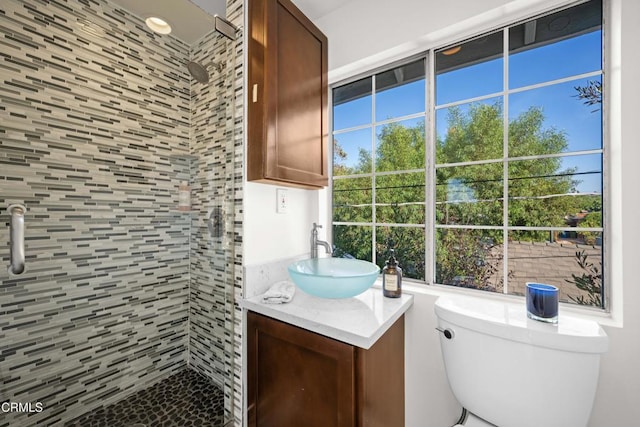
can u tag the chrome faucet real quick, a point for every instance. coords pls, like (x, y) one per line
(315, 242)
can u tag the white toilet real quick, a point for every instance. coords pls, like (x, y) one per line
(511, 371)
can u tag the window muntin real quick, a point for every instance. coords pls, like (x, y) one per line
(516, 162)
(379, 181)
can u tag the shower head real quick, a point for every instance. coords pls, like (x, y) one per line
(198, 72)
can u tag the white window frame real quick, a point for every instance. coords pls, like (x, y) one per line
(497, 20)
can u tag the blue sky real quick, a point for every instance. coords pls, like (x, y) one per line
(562, 110)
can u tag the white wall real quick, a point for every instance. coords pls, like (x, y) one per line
(269, 235)
(350, 29)
(619, 389)
(368, 33)
(365, 34)
(428, 398)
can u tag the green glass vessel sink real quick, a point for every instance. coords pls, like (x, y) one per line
(333, 277)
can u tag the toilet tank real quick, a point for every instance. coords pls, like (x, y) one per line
(516, 372)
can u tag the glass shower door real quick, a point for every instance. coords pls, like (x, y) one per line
(215, 177)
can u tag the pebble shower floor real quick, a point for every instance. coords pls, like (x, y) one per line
(184, 399)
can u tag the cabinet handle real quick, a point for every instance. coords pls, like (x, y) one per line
(255, 92)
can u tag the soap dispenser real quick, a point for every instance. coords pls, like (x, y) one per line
(392, 278)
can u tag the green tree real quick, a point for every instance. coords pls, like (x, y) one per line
(478, 135)
(473, 194)
(399, 200)
(465, 195)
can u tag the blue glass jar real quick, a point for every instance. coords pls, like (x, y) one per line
(542, 302)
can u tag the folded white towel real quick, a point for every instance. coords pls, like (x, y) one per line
(279, 293)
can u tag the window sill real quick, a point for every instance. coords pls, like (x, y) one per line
(415, 288)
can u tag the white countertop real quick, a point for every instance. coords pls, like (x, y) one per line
(358, 321)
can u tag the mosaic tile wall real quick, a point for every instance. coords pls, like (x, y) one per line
(216, 182)
(95, 114)
(235, 14)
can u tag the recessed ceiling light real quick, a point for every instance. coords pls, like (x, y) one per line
(452, 51)
(158, 25)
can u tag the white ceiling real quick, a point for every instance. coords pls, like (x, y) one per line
(315, 9)
(190, 20)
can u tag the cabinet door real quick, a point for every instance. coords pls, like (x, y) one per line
(296, 377)
(287, 130)
(380, 380)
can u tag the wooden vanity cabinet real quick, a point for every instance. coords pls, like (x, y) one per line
(287, 131)
(300, 378)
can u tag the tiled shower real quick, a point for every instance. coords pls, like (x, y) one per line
(100, 123)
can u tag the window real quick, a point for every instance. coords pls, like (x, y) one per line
(379, 167)
(493, 177)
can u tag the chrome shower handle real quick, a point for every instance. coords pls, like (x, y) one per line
(17, 238)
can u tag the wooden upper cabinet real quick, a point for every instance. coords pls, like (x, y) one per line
(287, 113)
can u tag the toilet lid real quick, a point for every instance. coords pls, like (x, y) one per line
(509, 321)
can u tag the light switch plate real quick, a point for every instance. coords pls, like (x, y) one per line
(282, 201)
